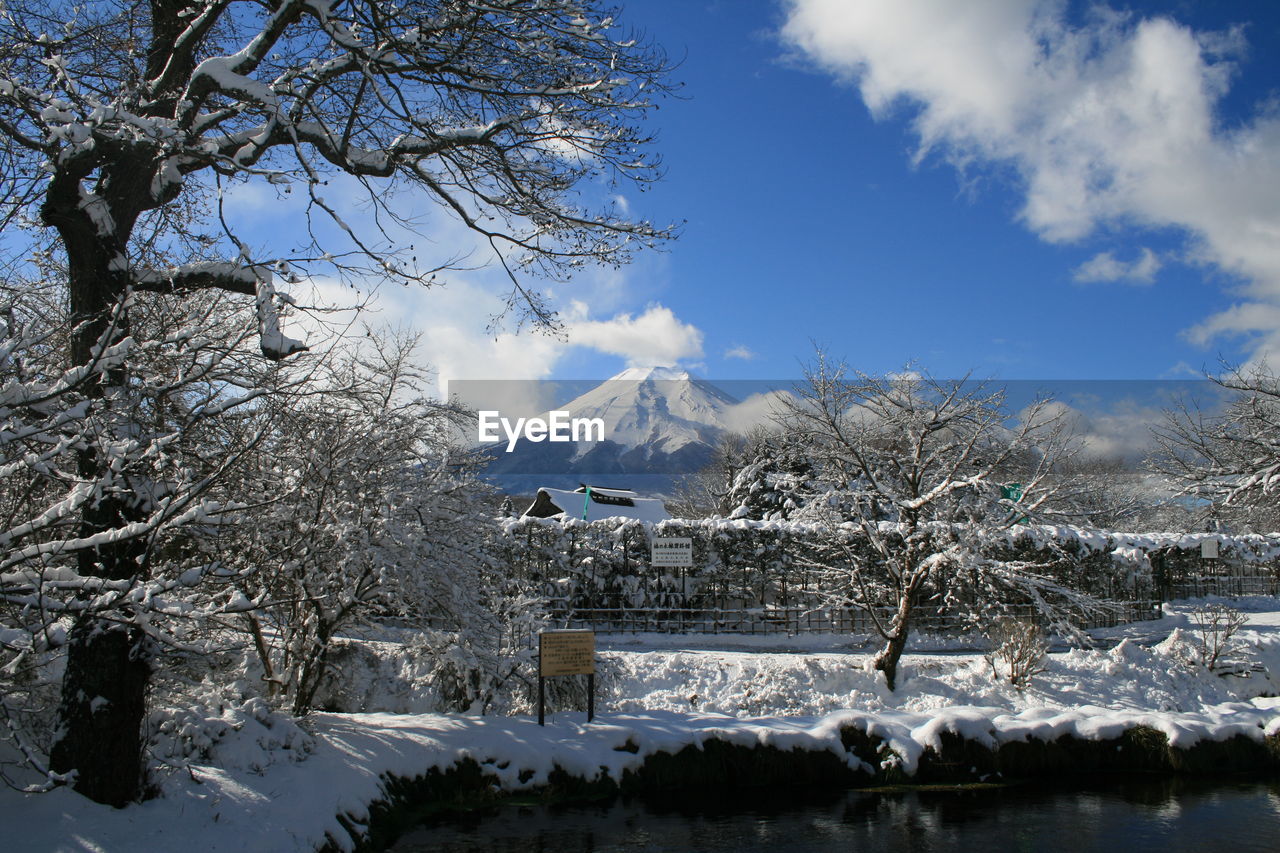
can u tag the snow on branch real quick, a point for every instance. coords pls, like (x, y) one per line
(223, 275)
(254, 279)
(275, 344)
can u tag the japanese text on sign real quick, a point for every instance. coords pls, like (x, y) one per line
(567, 653)
(674, 552)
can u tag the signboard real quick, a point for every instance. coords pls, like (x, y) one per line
(566, 653)
(1209, 549)
(1013, 492)
(673, 552)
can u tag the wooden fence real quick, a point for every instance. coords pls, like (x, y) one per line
(802, 620)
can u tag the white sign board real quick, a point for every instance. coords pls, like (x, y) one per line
(1209, 549)
(673, 552)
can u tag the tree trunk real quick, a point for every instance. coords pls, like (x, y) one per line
(887, 658)
(103, 701)
(105, 684)
(104, 689)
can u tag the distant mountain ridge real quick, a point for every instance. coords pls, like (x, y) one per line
(660, 423)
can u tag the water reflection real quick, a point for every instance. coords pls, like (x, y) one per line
(1165, 815)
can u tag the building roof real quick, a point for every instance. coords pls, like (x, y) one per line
(591, 503)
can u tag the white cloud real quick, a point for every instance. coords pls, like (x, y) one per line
(739, 351)
(656, 338)
(1182, 370)
(1120, 431)
(1249, 317)
(1105, 266)
(756, 410)
(1110, 122)
(452, 322)
(457, 344)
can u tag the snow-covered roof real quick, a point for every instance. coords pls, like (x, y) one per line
(591, 503)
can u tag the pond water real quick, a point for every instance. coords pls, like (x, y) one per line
(1129, 816)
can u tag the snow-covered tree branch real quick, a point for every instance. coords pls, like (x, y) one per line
(923, 474)
(150, 496)
(1228, 462)
(126, 124)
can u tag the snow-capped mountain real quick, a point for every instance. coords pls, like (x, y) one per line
(660, 423)
(654, 410)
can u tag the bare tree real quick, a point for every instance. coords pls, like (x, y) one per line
(362, 493)
(1215, 631)
(1227, 462)
(1107, 493)
(124, 121)
(922, 474)
(1018, 649)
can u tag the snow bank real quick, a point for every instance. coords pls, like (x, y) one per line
(749, 684)
(662, 702)
(295, 806)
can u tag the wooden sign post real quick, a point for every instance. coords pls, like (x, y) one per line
(566, 653)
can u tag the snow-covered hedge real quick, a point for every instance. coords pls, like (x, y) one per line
(1245, 565)
(743, 563)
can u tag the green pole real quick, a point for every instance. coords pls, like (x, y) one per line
(586, 503)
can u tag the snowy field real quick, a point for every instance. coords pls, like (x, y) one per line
(274, 787)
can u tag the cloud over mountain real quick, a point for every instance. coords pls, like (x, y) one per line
(656, 336)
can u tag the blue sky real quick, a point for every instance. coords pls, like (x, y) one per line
(1024, 190)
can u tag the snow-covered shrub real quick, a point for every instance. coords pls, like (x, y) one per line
(600, 570)
(489, 666)
(1018, 650)
(1246, 563)
(1215, 642)
(480, 669)
(209, 708)
(225, 731)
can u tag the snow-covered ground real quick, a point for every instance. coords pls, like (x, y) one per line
(744, 676)
(257, 795)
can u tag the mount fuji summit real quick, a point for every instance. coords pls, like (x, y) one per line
(660, 423)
